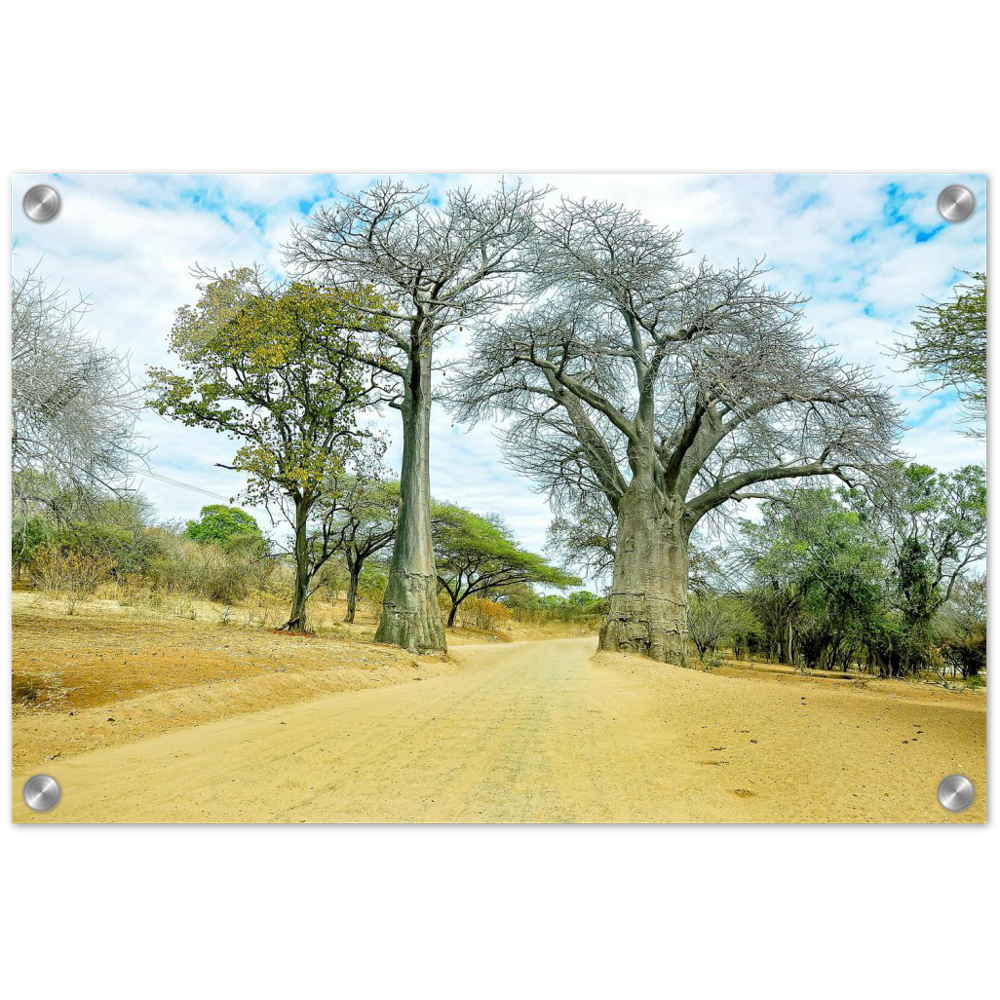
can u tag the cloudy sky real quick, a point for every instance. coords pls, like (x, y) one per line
(867, 249)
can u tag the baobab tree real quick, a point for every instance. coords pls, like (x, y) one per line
(671, 390)
(435, 266)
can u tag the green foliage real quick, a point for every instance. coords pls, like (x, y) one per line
(109, 529)
(583, 599)
(225, 526)
(279, 369)
(819, 572)
(28, 535)
(844, 577)
(949, 347)
(936, 523)
(479, 556)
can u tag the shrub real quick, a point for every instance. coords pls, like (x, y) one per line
(72, 575)
(371, 589)
(483, 613)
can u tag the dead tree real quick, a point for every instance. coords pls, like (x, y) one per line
(671, 389)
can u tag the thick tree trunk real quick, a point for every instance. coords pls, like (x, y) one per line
(297, 620)
(647, 608)
(410, 614)
(354, 571)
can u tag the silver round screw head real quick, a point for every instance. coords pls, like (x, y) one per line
(42, 793)
(956, 793)
(956, 203)
(42, 203)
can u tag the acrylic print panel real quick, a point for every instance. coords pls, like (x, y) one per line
(498, 499)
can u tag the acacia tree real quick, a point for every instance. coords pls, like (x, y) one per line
(276, 367)
(478, 555)
(671, 389)
(435, 266)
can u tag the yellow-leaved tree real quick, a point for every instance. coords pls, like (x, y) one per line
(277, 367)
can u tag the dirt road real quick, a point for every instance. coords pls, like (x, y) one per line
(542, 732)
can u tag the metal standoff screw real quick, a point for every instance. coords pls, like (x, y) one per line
(956, 792)
(42, 203)
(41, 793)
(956, 203)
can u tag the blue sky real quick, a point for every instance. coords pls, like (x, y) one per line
(868, 249)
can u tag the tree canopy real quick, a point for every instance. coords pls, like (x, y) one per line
(278, 368)
(668, 388)
(949, 347)
(224, 526)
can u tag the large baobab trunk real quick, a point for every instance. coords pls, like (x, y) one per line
(647, 608)
(410, 614)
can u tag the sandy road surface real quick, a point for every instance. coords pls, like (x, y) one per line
(541, 732)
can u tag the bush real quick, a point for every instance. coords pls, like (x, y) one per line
(371, 589)
(966, 654)
(207, 570)
(71, 575)
(28, 535)
(481, 612)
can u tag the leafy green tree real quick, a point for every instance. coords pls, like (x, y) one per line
(949, 347)
(851, 576)
(714, 619)
(222, 525)
(278, 368)
(823, 565)
(363, 518)
(478, 556)
(936, 526)
(582, 599)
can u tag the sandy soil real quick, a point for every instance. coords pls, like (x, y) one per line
(545, 732)
(109, 675)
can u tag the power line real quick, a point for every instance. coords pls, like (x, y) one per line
(149, 474)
